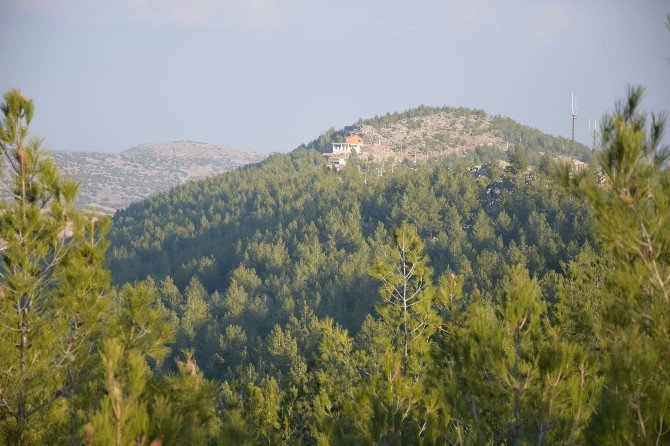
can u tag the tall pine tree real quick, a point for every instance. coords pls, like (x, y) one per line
(52, 285)
(630, 201)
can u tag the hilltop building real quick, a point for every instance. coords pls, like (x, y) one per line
(336, 160)
(342, 150)
(352, 143)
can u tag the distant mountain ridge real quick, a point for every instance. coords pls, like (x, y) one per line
(113, 181)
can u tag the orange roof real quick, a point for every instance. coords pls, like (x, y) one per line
(353, 139)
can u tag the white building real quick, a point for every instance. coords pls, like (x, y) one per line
(342, 150)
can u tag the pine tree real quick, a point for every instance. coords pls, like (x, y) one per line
(185, 412)
(518, 160)
(194, 312)
(338, 375)
(406, 309)
(392, 403)
(52, 285)
(630, 203)
(256, 407)
(138, 336)
(122, 418)
(509, 377)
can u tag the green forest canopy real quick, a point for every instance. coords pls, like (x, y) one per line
(286, 303)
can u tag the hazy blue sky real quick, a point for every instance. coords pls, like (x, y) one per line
(271, 74)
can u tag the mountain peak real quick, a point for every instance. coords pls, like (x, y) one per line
(180, 148)
(426, 132)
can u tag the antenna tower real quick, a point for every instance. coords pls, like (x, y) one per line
(574, 110)
(594, 132)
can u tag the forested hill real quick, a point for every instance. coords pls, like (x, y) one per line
(202, 229)
(433, 131)
(289, 233)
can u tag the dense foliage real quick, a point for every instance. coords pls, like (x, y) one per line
(272, 241)
(286, 303)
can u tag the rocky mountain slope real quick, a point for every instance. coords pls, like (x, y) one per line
(113, 181)
(425, 132)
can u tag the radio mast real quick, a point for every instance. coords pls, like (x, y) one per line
(595, 133)
(574, 109)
